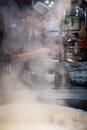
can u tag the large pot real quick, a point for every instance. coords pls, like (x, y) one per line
(43, 117)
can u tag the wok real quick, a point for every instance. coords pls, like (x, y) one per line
(41, 116)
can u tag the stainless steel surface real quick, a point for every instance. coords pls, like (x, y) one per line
(62, 94)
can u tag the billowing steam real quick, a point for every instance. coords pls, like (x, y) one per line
(27, 31)
(12, 89)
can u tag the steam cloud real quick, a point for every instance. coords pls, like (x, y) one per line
(18, 81)
(24, 33)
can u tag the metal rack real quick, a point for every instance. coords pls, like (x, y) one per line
(74, 51)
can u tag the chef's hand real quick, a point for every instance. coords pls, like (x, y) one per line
(43, 52)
